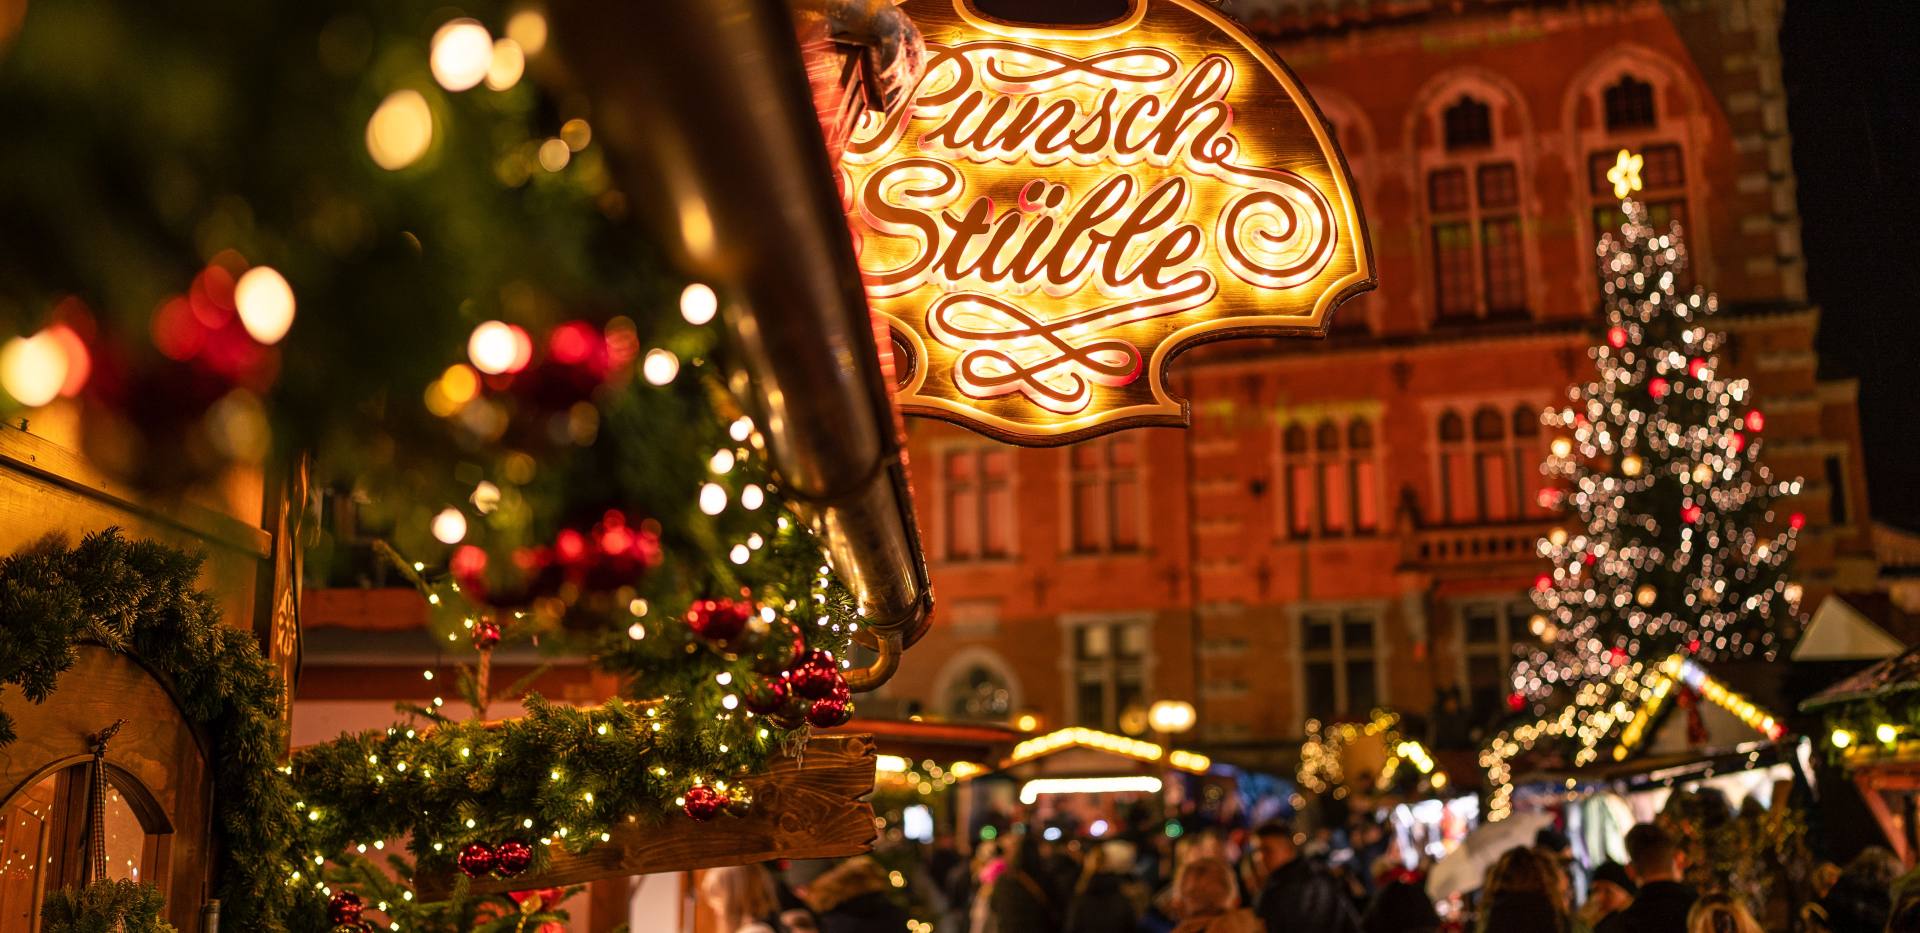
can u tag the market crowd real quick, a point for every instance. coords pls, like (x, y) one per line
(1274, 879)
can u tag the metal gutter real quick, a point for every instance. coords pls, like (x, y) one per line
(709, 122)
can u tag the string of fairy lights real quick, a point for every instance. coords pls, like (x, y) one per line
(1323, 755)
(1673, 551)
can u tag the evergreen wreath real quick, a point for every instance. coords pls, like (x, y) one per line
(140, 598)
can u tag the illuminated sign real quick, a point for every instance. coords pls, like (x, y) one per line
(1058, 211)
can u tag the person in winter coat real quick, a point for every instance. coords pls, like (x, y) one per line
(1207, 900)
(1525, 893)
(741, 898)
(1297, 894)
(1020, 901)
(855, 897)
(1861, 900)
(1108, 899)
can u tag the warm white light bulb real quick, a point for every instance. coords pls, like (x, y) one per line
(713, 498)
(660, 366)
(462, 51)
(265, 303)
(32, 369)
(698, 303)
(492, 348)
(449, 527)
(400, 130)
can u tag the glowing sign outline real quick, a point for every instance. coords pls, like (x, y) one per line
(898, 190)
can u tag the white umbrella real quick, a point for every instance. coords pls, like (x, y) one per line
(1466, 866)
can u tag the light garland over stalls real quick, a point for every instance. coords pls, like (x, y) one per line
(1676, 550)
(1082, 737)
(1322, 767)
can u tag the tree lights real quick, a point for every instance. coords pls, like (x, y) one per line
(1671, 547)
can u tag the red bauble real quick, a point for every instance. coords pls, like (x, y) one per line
(1797, 521)
(816, 675)
(512, 857)
(704, 803)
(1657, 387)
(344, 907)
(1690, 513)
(830, 712)
(783, 645)
(476, 859)
(1696, 366)
(766, 696)
(1755, 421)
(486, 634)
(718, 619)
(1516, 701)
(1617, 337)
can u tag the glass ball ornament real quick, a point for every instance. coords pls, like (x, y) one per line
(718, 619)
(703, 803)
(344, 907)
(476, 859)
(816, 676)
(512, 857)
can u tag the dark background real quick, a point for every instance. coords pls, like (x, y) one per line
(1853, 106)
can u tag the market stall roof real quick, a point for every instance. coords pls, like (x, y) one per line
(1894, 675)
(944, 742)
(1081, 751)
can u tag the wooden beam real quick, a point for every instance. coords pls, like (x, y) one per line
(811, 808)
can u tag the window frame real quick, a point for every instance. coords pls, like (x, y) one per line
(1106, 477)
(1341, 657)
(1345, 458)
(1508, 612)
(1462, 275)
(1519, 453)
(1111, 672)
(987, 515)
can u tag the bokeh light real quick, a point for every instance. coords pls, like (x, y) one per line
(698, 303)
(529, 29)
(508, 64)
(449, 527)
(462, 54)
(32, 369)
(497, 347)
(265, 302)
(660, 366)
(400, 130)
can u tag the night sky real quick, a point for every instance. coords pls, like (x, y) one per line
(1853, 95)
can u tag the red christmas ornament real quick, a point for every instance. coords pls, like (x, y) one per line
(766, 696)
(344, 907)
(1736, 442)
(1616, 655)
(1755, 421)
(1617, 336)
(476, 859)
(830, 712)
(1797, 521)
(1543, 582)
(1695, 367)
(718, 619)
(816, 675)
(512, 857)
(704, 803)
(486, 634)
(1690, 513)
(570, 547)
(1516, 701)
(1657, 387)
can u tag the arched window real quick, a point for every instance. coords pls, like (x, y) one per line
(1332, 489)
(1628, 105)
(44, 835)
(1631, 119)
(1473, 206)
(1484, 478)
(980, 694)
(1468, 124)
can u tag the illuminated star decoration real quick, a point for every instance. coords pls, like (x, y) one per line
(1625, 174)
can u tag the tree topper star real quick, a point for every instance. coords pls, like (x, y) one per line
(1625, 174)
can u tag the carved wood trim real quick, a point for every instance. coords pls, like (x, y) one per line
(811, 809)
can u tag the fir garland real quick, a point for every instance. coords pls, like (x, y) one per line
(105, 907)
(140, 598)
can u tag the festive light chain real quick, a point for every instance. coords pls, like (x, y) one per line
(1322, 768)
(1082, 737)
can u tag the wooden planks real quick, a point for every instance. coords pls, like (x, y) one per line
(810, 809)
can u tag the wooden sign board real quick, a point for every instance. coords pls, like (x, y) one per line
(1058, 211)
(802, 808)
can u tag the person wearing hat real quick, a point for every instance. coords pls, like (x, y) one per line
(1609, 890)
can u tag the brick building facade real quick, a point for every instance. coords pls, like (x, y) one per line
(1351, 522)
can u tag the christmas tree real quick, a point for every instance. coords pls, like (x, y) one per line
(1671, 548)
